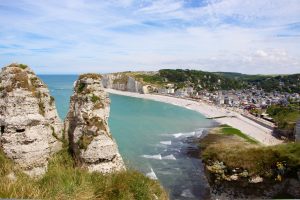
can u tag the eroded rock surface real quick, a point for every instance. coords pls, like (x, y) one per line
(30, 127)
(87, 126)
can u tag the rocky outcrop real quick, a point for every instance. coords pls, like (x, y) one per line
(122, 81)
(30, 126)
(90, 140)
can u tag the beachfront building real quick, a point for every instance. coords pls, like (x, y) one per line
(166, 90)
(181, 92)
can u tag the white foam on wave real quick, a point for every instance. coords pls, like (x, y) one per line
(152, 175)
(156, 157)
(200, 133)
(166, 142)
(169, 157)
(187, 193)
(177, 135)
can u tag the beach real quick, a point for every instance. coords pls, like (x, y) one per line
(232, 118)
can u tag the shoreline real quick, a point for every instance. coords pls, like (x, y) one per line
(234, 119)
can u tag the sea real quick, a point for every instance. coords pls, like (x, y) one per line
(155, 138)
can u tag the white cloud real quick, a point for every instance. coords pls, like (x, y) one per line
(225, 35)
(261, 53)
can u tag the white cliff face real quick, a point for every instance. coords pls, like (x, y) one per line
(134, 86)
(120, 81)
(30, 128)
(116, 81)
(87, 126)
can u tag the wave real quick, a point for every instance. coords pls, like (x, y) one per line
(187, 193)
(159, 157)
(152, 175)
(169, 157)
(200, 133)
(166, 142)
(178, 135)
(156, 157)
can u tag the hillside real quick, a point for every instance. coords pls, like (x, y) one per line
(281, 83)
(199, 80)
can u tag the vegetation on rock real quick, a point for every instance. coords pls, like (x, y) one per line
(90, 75)
(81, 87)
(95, 98)
(84, 141)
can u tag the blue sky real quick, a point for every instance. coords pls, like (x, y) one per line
(76, 36)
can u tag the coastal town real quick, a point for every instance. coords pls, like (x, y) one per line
(251, 103)
(243, 100)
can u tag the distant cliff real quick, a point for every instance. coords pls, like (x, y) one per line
(199, 80)
(144, 82)
(122, 81)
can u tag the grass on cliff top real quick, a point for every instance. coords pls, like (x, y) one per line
(260, 160)
(228, 130)
(90, 75)
(63, 181)
(22, 66)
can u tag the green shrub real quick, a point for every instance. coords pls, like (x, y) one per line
(84, 141)
(51, 100)
(41, 108)
(22, 66)
(94, 98)
(80, 87)
(285, 116)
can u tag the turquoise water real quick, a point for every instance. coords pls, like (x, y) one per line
(153, 137)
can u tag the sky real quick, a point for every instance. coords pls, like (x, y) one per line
(78, 36)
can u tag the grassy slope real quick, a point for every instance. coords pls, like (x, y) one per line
(238, 152)
(228, 130)
(63, 181)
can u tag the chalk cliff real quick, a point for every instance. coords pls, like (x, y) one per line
(121, 81)
(30, 127)
(86, 124)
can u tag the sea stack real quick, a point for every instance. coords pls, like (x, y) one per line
(86, 124)
(30, 127)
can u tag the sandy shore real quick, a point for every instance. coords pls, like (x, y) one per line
(249, 127)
